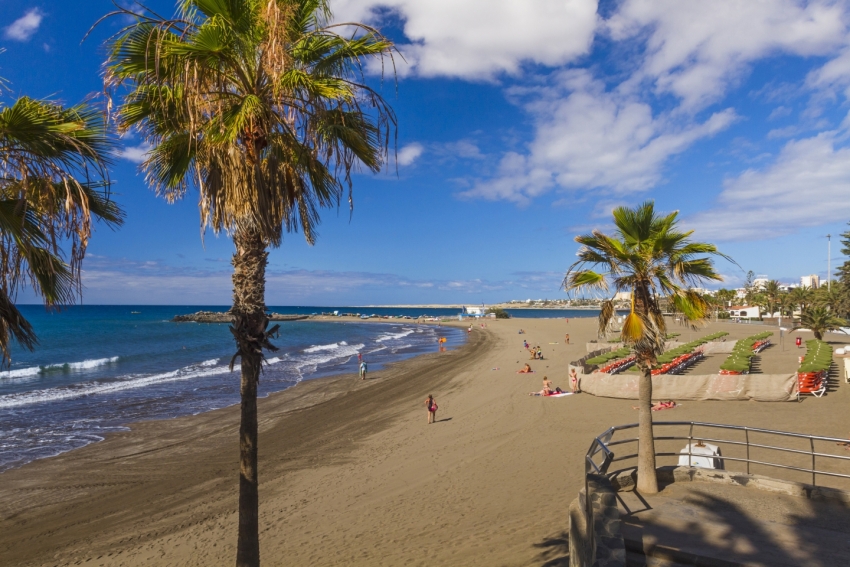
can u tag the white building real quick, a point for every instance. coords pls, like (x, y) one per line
(744, 312)
(760, 282)
(811, 282)
(623, 296)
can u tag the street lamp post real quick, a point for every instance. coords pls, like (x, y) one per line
(828, 259)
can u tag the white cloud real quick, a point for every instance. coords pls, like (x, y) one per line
(832, 78)
(409, 154)
(808, 185)
(587, 137)
(479, 39)
(24, 27)
(136, 154)
(695, 50)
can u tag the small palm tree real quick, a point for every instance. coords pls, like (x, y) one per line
(651, 258)
(802, 297)
(772, 292)
(262, 106)
(820, 320)
(53, 182)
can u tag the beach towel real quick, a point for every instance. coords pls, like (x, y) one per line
(561, 395)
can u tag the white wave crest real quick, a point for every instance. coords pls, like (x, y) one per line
(66, 366)
(84, 365)
(394, 336)
(210, 362)
(320, 348)
(112, 386)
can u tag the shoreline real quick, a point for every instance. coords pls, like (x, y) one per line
(333, 370)
(320, 399)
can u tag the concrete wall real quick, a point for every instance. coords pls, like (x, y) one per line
(596, 540)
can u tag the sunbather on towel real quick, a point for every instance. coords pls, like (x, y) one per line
(525, 370)
(658, 406)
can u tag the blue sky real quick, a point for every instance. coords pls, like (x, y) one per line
(521, 124)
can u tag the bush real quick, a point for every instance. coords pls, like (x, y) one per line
(818, 357)
(613, 355)
(742, 352)
(500, 313)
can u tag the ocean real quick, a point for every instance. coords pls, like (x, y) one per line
(99, 368)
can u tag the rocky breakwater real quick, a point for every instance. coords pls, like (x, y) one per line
(226, 317)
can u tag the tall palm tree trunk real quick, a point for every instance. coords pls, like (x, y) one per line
(647, 481)
(249, 325)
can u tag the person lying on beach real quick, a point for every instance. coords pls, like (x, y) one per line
(541, 393)
(547, 389)
(658, 406)
(525, 370)
(846, 445)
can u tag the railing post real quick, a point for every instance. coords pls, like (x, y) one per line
(812, 446)
(690, 444)
(747, 436)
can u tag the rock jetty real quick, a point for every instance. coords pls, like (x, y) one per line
(225, 317)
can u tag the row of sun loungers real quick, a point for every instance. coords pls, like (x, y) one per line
(618, 365)
(680, 363)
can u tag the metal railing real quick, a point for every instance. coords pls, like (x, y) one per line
(601, 446)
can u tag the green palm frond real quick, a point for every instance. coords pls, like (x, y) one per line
(261, 105)
(54, 183)
(649, 256)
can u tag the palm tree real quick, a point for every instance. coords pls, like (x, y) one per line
(261, 105)
(53, 182)
(820, 320)
(725, 296)
(772, 292)
(785, 304)
(802, 297)
(834, 298)
(649, 256)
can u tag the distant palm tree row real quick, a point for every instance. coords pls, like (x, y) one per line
(260, 105)
(773, 300)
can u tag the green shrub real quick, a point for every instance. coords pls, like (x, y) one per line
(500, 313)
(742, 352)
(670, 355)
(818, 357)
(613, 355)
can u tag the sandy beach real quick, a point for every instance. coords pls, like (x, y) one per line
(351, 474)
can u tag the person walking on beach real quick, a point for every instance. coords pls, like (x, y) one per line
(567, 338)
(431, 405)
(359, 357)
(363, 369)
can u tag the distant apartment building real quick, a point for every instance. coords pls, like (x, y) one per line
(760, 282)
(811, 282)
